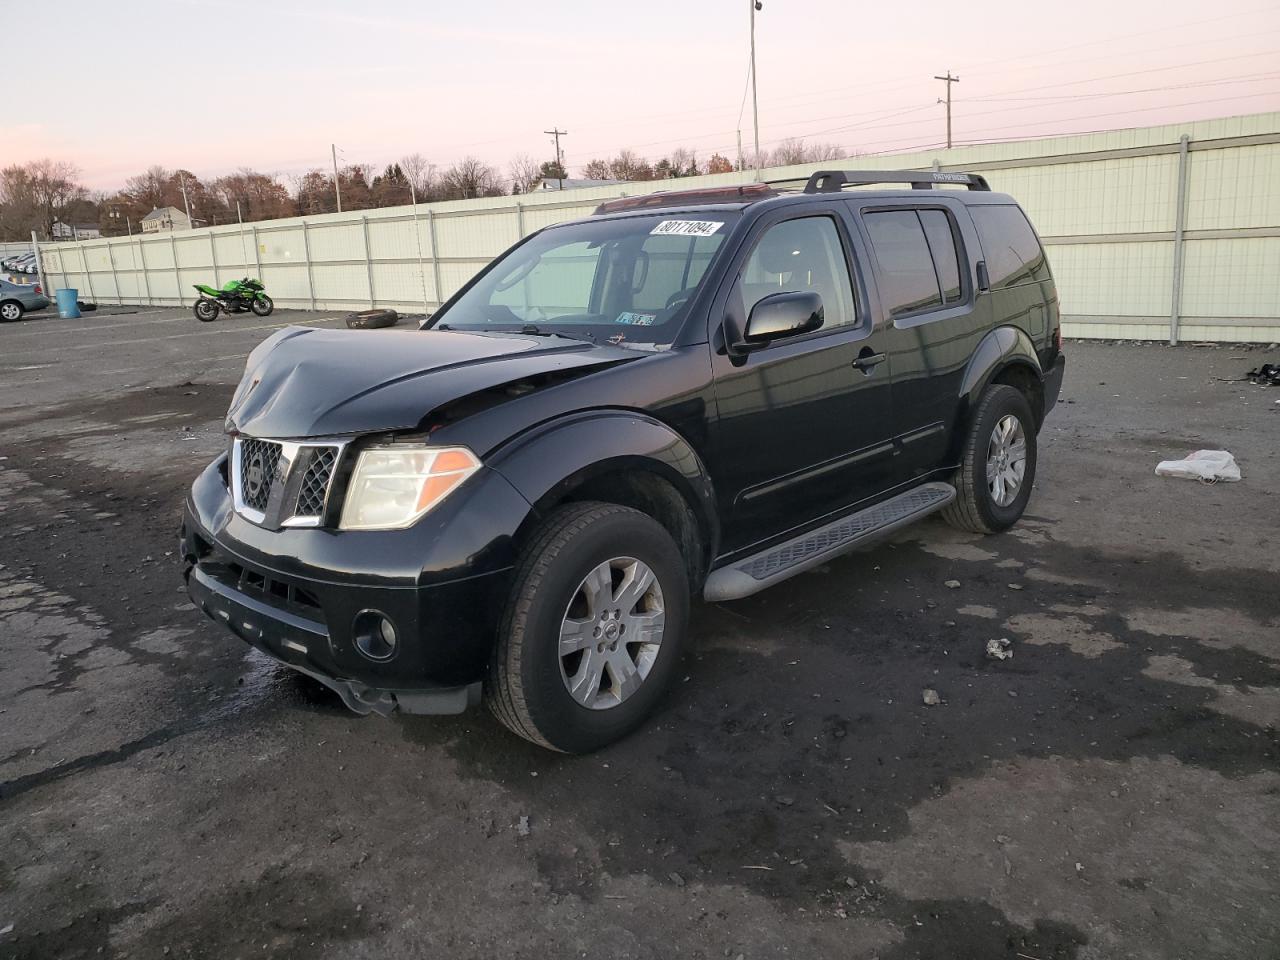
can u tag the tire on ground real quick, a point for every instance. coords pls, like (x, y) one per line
(974, 509)
(372, 319)
(524, 688)
(86, 306)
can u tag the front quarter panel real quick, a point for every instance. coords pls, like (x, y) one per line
(547, 464)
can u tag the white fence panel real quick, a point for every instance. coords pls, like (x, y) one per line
(1106, 206)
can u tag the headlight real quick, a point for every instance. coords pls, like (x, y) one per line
(392, 487)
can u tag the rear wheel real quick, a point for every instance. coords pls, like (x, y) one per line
(594, 628)
(206, 310)
(994, 481)
(262, 305)
(11, 310)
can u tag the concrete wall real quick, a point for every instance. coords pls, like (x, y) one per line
(1150, 236)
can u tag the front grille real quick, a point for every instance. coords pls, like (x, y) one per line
(259, 471)
(283, 483)
(315, 482)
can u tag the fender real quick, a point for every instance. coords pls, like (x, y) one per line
(998, 350)
(546, 464)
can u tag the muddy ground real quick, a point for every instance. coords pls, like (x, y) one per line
(1111, 791)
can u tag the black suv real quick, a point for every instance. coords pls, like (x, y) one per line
(700, 392)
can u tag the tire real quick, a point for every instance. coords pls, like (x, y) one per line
(86, 307)
(262, 305)
(372, 319)
(11, 310)
(206, 310)
(528, 685)
(976, 507)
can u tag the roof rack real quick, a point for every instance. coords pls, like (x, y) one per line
(746, 193)
(833, 181)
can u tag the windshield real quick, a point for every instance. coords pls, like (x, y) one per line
(625, 281)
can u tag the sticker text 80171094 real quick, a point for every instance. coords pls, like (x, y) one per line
(686, 228)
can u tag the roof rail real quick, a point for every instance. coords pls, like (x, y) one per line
(833, 181)
(746, 193)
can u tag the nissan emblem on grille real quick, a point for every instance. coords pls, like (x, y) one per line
(259, 466)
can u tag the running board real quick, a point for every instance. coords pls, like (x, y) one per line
(745, 577)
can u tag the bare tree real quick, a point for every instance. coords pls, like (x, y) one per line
(596, 170)
(627, 166)
(33, 195)
(421, 175)
(150, 190)
(526, 173)
(469, 178)
(684, 162)
(794, 150)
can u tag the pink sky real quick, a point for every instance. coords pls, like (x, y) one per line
(160, 81)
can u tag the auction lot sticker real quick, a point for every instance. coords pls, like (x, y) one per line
(686, 228)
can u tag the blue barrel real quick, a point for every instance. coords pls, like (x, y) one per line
(68, 305)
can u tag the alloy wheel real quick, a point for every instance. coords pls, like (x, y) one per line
(1006, 460)
(611, 633)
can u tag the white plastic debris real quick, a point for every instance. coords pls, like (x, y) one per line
(930, 697)
(1208, 466)
(1001, 649)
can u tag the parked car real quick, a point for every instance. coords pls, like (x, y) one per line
(692, 393)
(18, 298)
(23, 263)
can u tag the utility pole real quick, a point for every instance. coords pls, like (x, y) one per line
(949, 81)
(755, 107)
(741, 162)
(337, 187)
(182, 181)
(557, 133)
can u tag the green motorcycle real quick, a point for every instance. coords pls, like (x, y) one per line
(234, 297)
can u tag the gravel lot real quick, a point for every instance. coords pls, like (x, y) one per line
(1111, 791)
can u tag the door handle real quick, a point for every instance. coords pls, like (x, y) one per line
(867, 360)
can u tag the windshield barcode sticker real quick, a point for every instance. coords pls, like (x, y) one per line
(636, 319)
(686, 228)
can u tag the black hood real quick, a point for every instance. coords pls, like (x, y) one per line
(309, 382)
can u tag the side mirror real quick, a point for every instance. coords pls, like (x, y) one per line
(783, 315)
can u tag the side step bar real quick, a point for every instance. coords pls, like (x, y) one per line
(751, 575)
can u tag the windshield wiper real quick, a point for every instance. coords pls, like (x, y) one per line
(534, 330)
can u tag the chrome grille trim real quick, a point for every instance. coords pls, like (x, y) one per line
(300, 480)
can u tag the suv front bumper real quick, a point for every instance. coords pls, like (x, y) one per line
(295, 594)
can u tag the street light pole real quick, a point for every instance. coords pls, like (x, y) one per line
(182, 181)
(337, 188)
(755, 107)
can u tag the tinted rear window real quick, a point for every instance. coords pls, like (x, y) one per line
(1009, 245)
(908, 282)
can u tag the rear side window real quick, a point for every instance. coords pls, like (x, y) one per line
(942, 244)
(1010, 246)
(916, 252)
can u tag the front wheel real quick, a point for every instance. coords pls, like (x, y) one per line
(594, 628)
(206, 310)
(262, 305)
(994, 481)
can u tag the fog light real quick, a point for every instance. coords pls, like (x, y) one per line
(374, 635)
